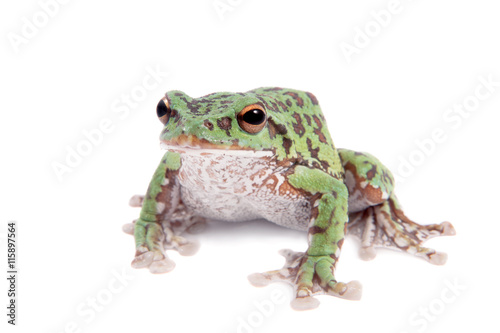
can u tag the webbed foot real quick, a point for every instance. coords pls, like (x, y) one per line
(309, 276)
(385, 225)
(155, 239)
(149, 248)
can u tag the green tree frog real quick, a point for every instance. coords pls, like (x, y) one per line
(267, 154)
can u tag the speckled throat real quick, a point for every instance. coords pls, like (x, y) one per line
(239, 185)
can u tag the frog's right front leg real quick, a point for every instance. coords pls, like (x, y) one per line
(312, 272)
(161, 200)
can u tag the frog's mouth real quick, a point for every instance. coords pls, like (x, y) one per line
(190, 144)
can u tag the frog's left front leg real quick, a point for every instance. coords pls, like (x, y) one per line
(153, 229)
(312, 273)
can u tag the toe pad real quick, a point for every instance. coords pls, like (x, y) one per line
(304, 303)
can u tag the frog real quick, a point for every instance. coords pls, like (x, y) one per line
(267, 154)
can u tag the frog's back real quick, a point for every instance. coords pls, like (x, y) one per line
(300, 111)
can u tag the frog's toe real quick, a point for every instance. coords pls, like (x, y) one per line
(128, 228)
(447, 229)
(367, 252)
(428, 254)
(304, 303)
(350, 291)
(286, 274)
(438, 258)
(264, 279)
(162, 266)
(189, 248)
(136, 201)
(426, 232)
(259, 279)
(143, 260)
(182, 245)
(156, 262)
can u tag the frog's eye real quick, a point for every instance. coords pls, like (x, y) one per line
(163, 111)
(252, 118)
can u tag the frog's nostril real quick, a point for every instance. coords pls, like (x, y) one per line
(208, 124)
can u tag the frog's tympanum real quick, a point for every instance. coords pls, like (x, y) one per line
(267, 154)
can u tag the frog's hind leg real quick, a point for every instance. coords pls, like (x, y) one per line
(375, 215)
(362, 224)
(385, 225)
(182, 221)
(421, 232)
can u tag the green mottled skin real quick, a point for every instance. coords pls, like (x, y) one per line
(311, 143)
(338, 183)
(149, 216)
(366, 164)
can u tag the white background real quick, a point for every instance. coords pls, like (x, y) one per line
(73, 72)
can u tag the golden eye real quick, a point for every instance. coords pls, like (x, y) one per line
(252, 118)
(163, 111)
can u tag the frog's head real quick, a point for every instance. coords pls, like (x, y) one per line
(228, 121)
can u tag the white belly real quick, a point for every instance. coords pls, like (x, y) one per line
(239, 186)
